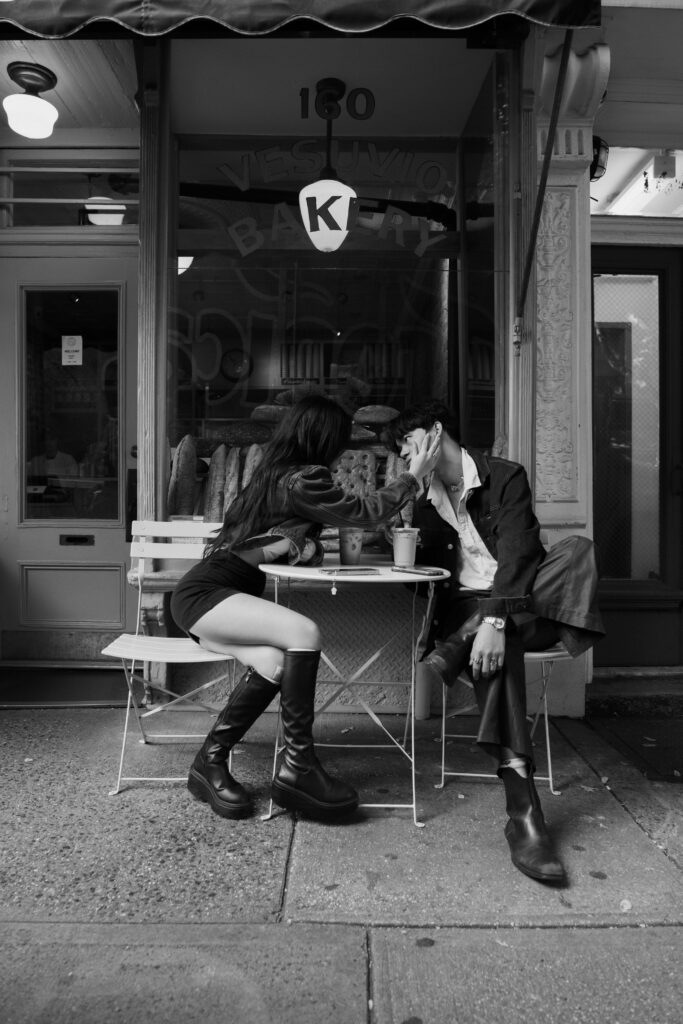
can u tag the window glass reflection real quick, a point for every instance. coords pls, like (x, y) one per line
(626, 435)
(71, 404)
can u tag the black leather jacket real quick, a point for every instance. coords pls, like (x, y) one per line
(502, 513)
(309, 498)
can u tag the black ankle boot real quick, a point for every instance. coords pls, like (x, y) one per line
(450, 656)
(301, 783)
(531, 848)
(209, 779)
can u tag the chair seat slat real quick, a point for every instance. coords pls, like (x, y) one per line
(160, 649)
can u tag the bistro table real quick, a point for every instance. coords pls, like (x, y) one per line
(375, 571)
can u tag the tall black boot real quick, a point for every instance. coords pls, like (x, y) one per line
(301, 783)
(450, 656)
(530, 845)
(209, 779)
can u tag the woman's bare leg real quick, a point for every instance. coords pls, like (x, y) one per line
(256, 631)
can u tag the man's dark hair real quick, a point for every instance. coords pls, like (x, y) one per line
(425, 415)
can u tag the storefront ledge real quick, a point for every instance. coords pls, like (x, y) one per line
(645, 691)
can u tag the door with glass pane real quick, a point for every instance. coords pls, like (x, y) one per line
(637, 452)
(68, 419)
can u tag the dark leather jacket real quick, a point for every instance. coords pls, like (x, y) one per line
(502, 513)
(309, 498)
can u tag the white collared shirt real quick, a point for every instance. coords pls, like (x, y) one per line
(476, 566)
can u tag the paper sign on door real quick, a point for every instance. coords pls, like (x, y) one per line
(72, 350)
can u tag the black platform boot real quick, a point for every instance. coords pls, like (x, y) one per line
(301, 783)
(530, 845)
(450, 656)
(209, 779)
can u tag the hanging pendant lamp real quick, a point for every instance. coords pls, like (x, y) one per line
(27, 113)
(328, 206)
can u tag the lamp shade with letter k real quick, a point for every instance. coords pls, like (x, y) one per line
(328, 210)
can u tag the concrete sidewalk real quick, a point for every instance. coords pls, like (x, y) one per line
(147, 907)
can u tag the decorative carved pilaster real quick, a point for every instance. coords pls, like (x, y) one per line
(556, 470)
(563, 463)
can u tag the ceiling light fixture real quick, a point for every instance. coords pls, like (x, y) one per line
(27, 113)
(328, 206)
(599, 161)
(100, 210)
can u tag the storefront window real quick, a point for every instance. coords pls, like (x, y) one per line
(639, 183)
(258, 316)
(71, 188)
(71, 425)
(626, 437)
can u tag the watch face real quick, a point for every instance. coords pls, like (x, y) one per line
(236, 364)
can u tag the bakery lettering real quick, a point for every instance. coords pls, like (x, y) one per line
(303, 162)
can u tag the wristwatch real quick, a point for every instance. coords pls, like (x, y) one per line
(495, 621)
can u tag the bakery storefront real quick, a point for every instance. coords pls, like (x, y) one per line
(231, 282)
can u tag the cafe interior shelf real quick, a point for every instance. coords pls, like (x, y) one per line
(321, 361)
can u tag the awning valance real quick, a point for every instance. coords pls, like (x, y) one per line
(56, 19)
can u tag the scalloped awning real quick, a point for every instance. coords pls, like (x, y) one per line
(56, 19)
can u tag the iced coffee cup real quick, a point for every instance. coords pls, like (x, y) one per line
(405, 546)
(350, 545)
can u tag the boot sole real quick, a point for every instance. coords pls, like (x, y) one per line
(537, 876)
(295, 800)
(201, 791)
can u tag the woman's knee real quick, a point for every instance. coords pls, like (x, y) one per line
(307, 636)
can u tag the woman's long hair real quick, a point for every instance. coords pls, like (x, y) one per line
(314, 432)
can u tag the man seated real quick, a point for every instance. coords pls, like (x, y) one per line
(48, 473)
(506, 596)
(52, 462)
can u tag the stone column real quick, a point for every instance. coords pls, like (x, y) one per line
(155, 209)
(562, 434)
(155, 206)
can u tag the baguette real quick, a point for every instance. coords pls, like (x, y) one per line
(183, 483)
(215, 486)
(395, 466)
(232, 478)
(254, 456)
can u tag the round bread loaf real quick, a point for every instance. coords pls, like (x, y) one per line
(375, 414)
(269, 413)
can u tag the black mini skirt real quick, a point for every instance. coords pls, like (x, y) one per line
(208, 583)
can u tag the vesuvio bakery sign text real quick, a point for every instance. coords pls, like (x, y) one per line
(360, 163)
(357, 160)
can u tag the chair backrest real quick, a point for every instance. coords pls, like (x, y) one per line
(184, 539)
(173, 546)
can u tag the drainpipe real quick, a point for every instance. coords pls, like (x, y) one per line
(547, 157)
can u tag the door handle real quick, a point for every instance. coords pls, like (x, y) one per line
(677, 479)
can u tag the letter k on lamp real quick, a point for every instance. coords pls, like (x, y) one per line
(328, 211)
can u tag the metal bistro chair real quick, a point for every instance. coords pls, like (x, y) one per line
(153, 541)
(547, 660)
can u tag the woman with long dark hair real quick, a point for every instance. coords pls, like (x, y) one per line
(279, 516)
